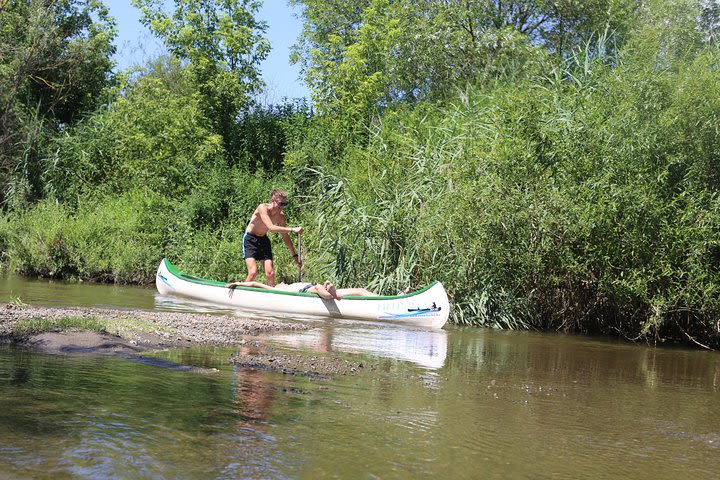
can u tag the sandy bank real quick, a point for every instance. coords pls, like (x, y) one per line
(129, 332)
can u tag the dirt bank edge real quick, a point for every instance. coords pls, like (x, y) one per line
(60, 329)
(128, 332)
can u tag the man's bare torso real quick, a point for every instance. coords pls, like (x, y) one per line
(257, 226)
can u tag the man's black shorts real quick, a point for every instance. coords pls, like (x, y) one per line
(256, 247)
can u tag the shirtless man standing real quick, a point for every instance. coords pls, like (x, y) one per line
(267, 217)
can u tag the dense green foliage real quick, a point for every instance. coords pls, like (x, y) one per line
(222, 45)
(359, 56)
(557, 174)
(54, 66)
(154, 136)
(551, 205)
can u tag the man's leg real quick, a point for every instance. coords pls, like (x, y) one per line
(269, 272)
(252, 269)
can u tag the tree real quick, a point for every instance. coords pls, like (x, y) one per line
(154, 137)
(266, 131)
(222, 44)
(358, 56)
(55, 63)
(710, 19)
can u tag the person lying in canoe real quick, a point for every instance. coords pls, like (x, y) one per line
(325, 290)
(267, 217)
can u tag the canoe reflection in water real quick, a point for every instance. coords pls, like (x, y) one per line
(423, 346)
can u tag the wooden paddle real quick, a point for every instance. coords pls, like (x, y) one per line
(299, 258)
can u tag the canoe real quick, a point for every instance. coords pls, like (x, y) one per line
(428, 307)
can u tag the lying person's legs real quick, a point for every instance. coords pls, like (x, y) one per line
(354, 292)
(248, 284)
(326, 290)
(328, 287)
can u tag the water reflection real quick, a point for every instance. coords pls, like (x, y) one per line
(580, 360)
(424, 347)
(253, 394)
(76, 294)
(184, 304)
(86, 417)
(506, 404)
(573, 407)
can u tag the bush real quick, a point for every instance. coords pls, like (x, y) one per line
(38, 243)
(150, 136)
(117, 239)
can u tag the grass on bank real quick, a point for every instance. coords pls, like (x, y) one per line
(125, 328)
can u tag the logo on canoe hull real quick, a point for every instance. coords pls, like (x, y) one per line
(416, 312)
(433, 308)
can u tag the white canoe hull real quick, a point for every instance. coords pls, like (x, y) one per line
(428, 307)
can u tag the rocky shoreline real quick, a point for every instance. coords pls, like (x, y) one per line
(146, 328)
(135, 331)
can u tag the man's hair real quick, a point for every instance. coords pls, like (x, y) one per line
(278, 193)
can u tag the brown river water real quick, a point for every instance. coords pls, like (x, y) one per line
(454, 403)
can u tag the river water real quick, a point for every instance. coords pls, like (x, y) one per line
(455, 403)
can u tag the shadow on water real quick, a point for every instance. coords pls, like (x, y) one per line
(169, 365)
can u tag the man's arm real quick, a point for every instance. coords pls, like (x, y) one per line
(288, 240)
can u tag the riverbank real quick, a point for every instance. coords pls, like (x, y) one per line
(81, 330)
(98, 331)
(142, 329)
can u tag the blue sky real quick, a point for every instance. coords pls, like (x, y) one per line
(136, 45)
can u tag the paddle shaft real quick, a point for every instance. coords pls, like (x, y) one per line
(299, 258)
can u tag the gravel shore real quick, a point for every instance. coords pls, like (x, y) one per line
(137, 331)
(141, 329)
